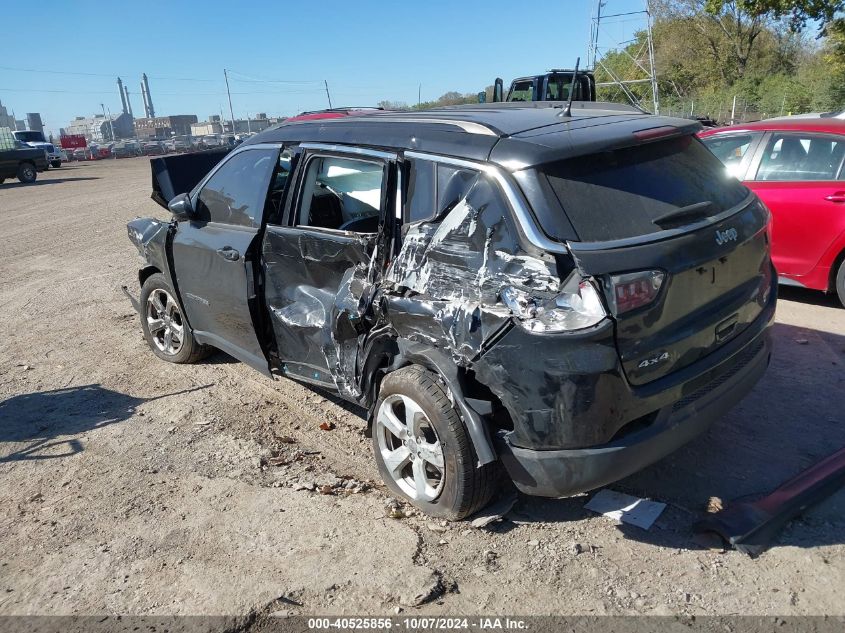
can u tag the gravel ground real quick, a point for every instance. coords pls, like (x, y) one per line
(132, 486)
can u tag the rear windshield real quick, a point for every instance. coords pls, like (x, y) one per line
(617, 194)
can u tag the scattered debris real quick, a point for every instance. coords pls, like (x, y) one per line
(714, 505)
(326, 490)
(202, 422)
(494, 512)
(286, 439)
(393, 509)
(305, 485)
(434, 527)
(326, 426)
(750, 526)
(575, 548)
(802, 341)
(633, 510)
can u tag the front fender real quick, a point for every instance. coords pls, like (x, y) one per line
(149, 236)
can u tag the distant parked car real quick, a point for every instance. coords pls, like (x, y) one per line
(795, 166)
(152, 149)
(212, 140)
(122, 150)
(81, 153)
(182, 144)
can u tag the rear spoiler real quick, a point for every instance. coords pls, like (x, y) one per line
(177, 174)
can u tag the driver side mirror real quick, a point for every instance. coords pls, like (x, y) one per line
(181, 207)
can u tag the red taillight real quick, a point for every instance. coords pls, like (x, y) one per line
(634, 290)
(649, 134)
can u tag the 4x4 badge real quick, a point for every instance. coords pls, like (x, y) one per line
(658, 358)
(723, 237)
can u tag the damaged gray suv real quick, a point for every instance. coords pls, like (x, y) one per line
(562, 296)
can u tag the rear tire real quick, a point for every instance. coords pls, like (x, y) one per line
(27, 173)
(840, 283)
(423, 451)
(165, 328)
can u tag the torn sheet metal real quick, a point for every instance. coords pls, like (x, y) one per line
(751, 526)
(626, 508)
(316, 321)
(457, 269)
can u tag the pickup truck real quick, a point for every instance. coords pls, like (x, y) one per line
(36, 139)
(23, 162)
(553, 85)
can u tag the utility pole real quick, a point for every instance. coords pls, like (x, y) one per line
(327, 93)
(419, 96)
(733, 112)
(248, 124)
(783, 104)
(231, 111)
(111, 127)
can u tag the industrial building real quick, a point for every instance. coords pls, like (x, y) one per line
(164, 127)
(98, 128)
(216, 125)
(6, 119)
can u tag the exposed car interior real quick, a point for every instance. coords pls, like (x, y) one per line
(342, 193)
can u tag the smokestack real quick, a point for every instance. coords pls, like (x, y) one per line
(128, 102)
(122, 94)
(144, 99)
(151, 110)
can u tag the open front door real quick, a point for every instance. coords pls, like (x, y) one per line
(319, 265)
(216, 255)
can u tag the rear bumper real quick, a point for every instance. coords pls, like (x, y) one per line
(560, 473)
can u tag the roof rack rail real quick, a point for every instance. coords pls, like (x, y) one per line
(470, 127)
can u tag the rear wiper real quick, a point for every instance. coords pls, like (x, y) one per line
(699, 209)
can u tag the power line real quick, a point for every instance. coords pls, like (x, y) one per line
(81, 74)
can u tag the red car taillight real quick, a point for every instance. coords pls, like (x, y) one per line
(634, 290)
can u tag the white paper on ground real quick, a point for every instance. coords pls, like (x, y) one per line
(625, 508)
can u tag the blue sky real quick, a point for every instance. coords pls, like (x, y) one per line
(366, 50)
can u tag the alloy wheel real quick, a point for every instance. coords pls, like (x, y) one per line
(165, 323)
(410, 448)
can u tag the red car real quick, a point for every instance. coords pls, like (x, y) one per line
(333, 113)
(795, 166)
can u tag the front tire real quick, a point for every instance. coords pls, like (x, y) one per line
(56, 164)
(840, 283)
(27, 173)
(422, 448)
(165, 328)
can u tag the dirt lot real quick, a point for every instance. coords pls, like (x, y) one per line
(128, 485)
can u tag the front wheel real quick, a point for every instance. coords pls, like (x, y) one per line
(27, 173)
(168, 334)
(422, 448)
(840, 283)
(56, 164)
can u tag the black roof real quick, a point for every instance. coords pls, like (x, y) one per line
(518, 132)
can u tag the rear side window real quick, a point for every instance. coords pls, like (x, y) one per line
(617, 194)
(801, 157)
(434, 188)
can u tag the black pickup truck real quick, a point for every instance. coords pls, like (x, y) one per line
(22, 162)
